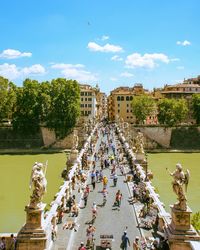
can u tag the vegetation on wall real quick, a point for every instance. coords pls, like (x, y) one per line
(185, 138)
(196, 107)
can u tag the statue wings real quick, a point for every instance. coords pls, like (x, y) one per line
(187, 178)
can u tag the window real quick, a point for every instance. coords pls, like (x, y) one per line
(82, 105)
(122, 98)
(89, 112)
(131, 111)
(118, 104)
(118, 98)
(86, 99)
(82, 112)
(89, 105)
(85, 93)
(90, 99)
(127, 98)
(86, 105)
(131, 98)
(82, 99)
(82, 93)
(127, 117)
(127, 110)
(127, 105)
(86, 113)
(118, 110)
(89, 93)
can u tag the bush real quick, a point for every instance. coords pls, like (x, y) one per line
(196, 220)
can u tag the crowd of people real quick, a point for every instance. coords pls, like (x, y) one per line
(8, 243)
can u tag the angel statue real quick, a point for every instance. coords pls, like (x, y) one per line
(180, 179)
(75, 140)
(139, 143)
(39, 182)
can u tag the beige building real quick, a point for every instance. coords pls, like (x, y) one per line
(119, 102)
(183, 90)
(88, 101)
(93, 102)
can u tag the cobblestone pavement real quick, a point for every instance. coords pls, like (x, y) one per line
(109, 221)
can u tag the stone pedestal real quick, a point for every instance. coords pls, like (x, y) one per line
(72, 158)
(32, 236)
(140, 157)
(180, 231)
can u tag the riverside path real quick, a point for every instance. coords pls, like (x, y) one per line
(110, 220)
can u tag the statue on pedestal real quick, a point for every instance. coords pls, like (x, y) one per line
(38, 182)
(139, 148)
(75, 140)
(180, 180)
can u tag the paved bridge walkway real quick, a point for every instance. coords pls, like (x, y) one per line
(110, 221)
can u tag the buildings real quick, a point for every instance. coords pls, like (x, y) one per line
(119, 102)
(93, 102)
(184, 90)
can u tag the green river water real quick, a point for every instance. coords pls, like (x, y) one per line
(14, 185)
(162, 180)
(16, 169)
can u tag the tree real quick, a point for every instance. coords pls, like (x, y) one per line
(171, 111)
(65, 106)
(26, 118)
(196, 107)
(196, 221)
(142, 107)
(7, 98)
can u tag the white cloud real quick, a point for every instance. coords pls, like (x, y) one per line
(116, 58)
(104, 38)
(11, 71)
(183, 43)
(113, 79)
(175, 60)
(136, 60)
(12, 54)
(180, 67)
(106, 48)
(75, 71)
(34, 69)
(126, 74)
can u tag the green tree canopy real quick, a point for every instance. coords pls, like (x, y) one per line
(26, 118)
(196, 107)
(7, 98)
(142, 107)
(65, 106)
(172, 111)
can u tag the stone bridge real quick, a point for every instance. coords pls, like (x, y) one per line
(144, 217)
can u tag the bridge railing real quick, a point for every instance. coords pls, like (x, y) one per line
(164, 217)
(51, 214)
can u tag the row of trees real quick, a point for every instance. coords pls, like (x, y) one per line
(55, 104)
(170, 112)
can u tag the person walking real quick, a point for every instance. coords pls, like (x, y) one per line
(136, 243)
(125, 241)
(118, 198)
(82, 247)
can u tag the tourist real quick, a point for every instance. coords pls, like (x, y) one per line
(118, 198)
(104, 193)
(93, 175)
(115, 179)
(105, 182)
(125, 241)
(3, 243)
(11, 245)
(82, 247)
(75, 210)
(136, 243)
(85, 197)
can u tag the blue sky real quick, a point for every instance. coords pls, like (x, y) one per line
(112, 43)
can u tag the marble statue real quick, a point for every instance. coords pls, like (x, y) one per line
(180, 179)
(139, 148)
(38, 183)
(75, 140)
